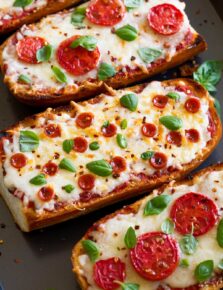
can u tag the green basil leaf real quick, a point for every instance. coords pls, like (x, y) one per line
(209, 74)
(130, 238)
(91, 249)
(220, 233)
(68, 188)
(24, 79)
(217, 106)
(128, 286)
(129, 101)
(124, 124)
(100, 168)
(59, 74)
(220, 265)
(168, 226)
(105, 71)
(105, 124)
(171, 122)
(147, 155)
(204, 270)
(184, 263)
(132, 3)
(157, 205)
(148, 55)
(121, 140)
(66, 164)
(77, 17)
(94, 146)
(22, 3)
(87, 42)
(45, 53)
(28, 141)
(38, 180)
(174, 96)
(188, 244)
(68, 145)
(127, 32)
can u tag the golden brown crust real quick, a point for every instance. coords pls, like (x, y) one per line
(214, 284)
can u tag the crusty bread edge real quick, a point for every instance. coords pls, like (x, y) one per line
(214, 284)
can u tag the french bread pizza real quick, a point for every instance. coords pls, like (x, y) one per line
(66, 162)
(15, 13)
(169, 240)
(75, 54)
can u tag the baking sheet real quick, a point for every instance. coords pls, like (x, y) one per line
(41, 260)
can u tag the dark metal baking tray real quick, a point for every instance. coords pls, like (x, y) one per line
(41, 260)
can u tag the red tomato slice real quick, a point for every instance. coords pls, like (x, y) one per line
(105, 12)
(118, 164)
(165, 19)
(50, 168)
(27, 48)
(109, 131)
(18, 160)
(148, 130)
(80, 144)
(155, 256)
(84, 120)
(77, 61)
(192, 135)
(158, 160)
(160, 101)
(52, 130)
(194, 209)
(108, 271)
(86, 181)
(192, 105)
(174, 138)
(46, 193)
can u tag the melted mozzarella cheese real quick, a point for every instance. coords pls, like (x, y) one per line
(113, 50)
(110, 236)
(109, 109)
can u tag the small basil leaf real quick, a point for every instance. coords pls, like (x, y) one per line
(171, 122)
(127, 32)
(59, 74)
(204, 270)
(68, 145)
(130, 238)
(220, 265)
(184, 263)
(105, 124)
(78, 16)
(87, 42)
(148, 55)
(217, 107)
(132, 3)
(22, 3)
(94, 146)
(220, 233)
(44, 53)
(24, 79)
(100, 168)
(174, 96)
(105, 71)
(38, 180)
(68, 188)
(128, 286)
(157, 205)
(91, 249)
(28, 141)
(124, 124)
(66, 164)
(188, 244)
(121, 140)
(129, 101)
(147, 155)
(168, 226)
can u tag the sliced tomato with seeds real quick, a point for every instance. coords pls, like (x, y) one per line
(52, 130)
(194, 211)
(109, 131)
(148, 130)
(50, 168)
(77, 61)
(18, 160)
(80, 144)
(165, 19)
(158, 160)
(86, 181)
(160, 101)
(192, 135)
(155, 256)
(118, 164)
(174, 138)
(105, 12)
(46, 193)
(192, 105)
(211, 126)
(106, 272)
(84, 120)
(27, 48)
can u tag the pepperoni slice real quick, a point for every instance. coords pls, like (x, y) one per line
(211, 127)
(46, 193)
(18, 160)
(194, 210)
(192, 135)
(52, 130)
(109, 131)
(118, 164)
(148, 130)
(77, 61)
(155, 256)
(158, 160)
(174, 138)
(50, 168)
(86, 181)
(105, 12)
(160, 101)
(84, 120)
(27, 48)
(165, 19)
(80, 144)
(192, 105)
(105, 272)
